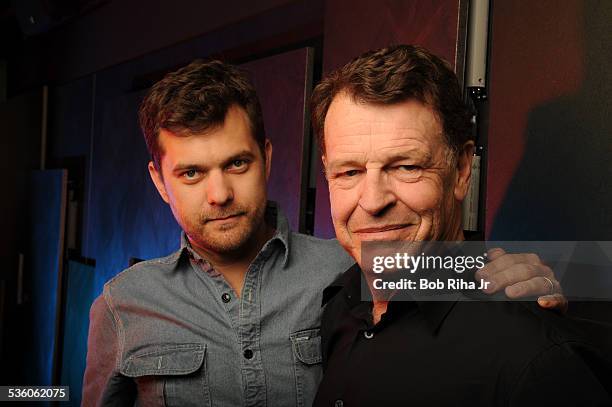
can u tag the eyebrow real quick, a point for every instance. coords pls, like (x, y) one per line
(244, 154)
(392, 158)
(412, 154)
(334, 165)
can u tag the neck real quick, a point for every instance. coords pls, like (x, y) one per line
(233, 265)
(380, 298)
(456, 236)
(454, 233)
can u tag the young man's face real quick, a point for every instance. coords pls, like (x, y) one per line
(390, 174)
(215, 183)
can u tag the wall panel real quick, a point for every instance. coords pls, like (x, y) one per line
(282, 82)
(127, 218)
(44, 263)
(549, 135)
(80, 294)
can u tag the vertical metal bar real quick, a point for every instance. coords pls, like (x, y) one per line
(89, 176)
(306, 140)
(478, 22)
(59, 302)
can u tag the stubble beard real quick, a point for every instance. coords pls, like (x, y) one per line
(230, 238)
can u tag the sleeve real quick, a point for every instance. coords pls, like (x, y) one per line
(103, 385)
(567, 374)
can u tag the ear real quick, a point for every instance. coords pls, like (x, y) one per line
(158, 180)
(464, 170)
(268, 157)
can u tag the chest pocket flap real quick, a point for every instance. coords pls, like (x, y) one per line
(177, 359)
(307, 346)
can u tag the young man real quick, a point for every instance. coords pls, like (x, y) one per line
(232, 318)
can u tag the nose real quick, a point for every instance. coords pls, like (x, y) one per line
(218, 189)
(376, 195)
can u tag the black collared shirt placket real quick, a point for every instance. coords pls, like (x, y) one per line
(356, 339)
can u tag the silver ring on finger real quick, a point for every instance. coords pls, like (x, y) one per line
(552, 285)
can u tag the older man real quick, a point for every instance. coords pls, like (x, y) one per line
(395, 136)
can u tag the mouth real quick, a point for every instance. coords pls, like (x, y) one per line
(224, 218)
(379, 229)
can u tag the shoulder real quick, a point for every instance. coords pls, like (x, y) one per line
(142, 277)
(532, 355)
(524, 324)
(324, 252)
(535, 349)
(302, 241)
(565, 373)
(349, 278)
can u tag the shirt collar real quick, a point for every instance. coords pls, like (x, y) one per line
(283, 233)
(273, 216)
(349, 285)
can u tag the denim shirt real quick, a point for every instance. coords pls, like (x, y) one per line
(172, 332)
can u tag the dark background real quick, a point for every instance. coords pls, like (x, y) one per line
(544, 131)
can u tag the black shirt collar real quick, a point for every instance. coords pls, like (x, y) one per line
(349, 285)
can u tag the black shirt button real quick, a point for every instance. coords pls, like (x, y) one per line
(225, 297)
(339, 403)
(248, 354)
(368, 335)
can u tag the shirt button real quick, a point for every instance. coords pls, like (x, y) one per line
(368, 335)
(339, 403)
(248, 354)
(225, 297)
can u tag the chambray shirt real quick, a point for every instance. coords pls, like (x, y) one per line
(172, 332)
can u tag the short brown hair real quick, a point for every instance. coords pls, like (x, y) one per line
(196, 98)
(393, 75)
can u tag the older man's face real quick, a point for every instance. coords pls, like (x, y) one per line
(390, 174)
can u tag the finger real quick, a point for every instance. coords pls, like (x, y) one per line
(495, 252)
(498, 261)
(507, 261)
(487, 270)
(512, 275)
(556, 302)
(532, 287)
(525, 289)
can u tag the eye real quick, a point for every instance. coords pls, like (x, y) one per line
(407, 168)
(190, 174)
(350, 173)
(407, 172)
(238, 166)
(238, 163)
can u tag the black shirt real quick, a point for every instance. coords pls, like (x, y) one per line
(454, 353)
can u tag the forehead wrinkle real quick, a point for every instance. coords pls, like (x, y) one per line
(406, 143)
(395, 133)
(427, 142)
(348, 148)
(385, 127)
(348, 142)
(349, 136)
(406, 151)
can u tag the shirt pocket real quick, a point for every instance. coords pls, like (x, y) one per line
(170, 375)
(307, 357)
